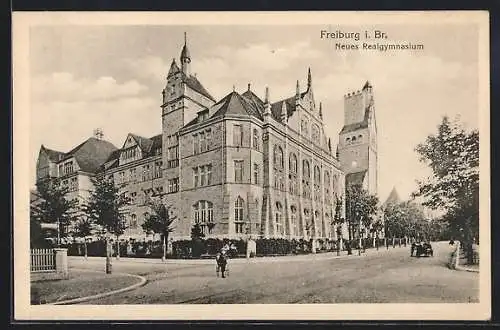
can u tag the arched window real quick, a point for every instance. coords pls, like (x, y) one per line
(348, 140)
(307, 222)
(317, 175)
(278, 156)
(360, 137)
(238, 215)
(293, 219)
(353, 138)
(293, 163)
(279, 220)
(306, 172)
(327, 183)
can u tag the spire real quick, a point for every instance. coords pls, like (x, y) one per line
(173, 68)
(320, 110)
(309, 78)
(185, 56)
(267, 104)
(234, 88)
(297, 89)
(329, 144)
(249, 87)
(283, 116)
(367, 85)
(266, 100)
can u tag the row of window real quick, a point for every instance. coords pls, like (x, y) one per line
(149, 172)
(202, 175)
(202, 141)
(66, 168)
(238, 136)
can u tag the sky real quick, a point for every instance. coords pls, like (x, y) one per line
(111, 77)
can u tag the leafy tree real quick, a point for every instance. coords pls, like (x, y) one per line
(196, 243)
(83, 228)
(54, 206)
(160, 221)
(105, 208)
(36, 232)
(453, 156)
(196, 232)
(338, 221)
(405, 219)
(361, 207)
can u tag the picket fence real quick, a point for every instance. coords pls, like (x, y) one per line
(43, 260)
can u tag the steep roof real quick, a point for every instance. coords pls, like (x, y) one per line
(91, 154)
(393, 197)
(53, 155)
(144, 143)
(196, 85)
(234, 103)
(276, 108)
(355, 178)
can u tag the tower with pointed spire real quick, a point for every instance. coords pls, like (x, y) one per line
(357, 147)
(185, 57)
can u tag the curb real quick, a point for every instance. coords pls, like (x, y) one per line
(105, 294)
(467, 269)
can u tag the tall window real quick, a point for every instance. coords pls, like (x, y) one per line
(317, 183)
(307, 222)
(145, 173)
(278, 157)
(327, 184)
(208, 138)
(203, 213)
(292, 164)
(133, 221)
(238, 215)
(209, 174)
(158, 170)
(279, 220)
(238, 171)
(255, 139)
(173, 185)
(202, 175)
(255, 173)
(195, 176)
(237, 135)
(132, 175)
(203, 144)
(293, 220)
(306, 178)
(195, 144)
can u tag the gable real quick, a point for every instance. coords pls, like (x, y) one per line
(129, 142)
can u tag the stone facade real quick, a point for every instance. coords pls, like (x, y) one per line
(240, 166)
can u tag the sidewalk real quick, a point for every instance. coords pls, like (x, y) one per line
(289, 258)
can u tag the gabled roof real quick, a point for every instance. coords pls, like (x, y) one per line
(144, 143)
(195, 85)
(276, 108)
(355, 178)
(53, 155)
(393, 197)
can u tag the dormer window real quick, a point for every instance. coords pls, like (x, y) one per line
(202, 115)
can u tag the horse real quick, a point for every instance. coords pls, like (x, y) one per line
(221, 261)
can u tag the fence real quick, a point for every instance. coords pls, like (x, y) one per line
(43, 260)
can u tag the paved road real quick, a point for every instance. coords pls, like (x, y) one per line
(379, 276)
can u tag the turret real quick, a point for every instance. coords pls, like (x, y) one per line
(320, 110)
(185, 57)
(309, 78)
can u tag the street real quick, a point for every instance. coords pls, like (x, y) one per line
(384, 276)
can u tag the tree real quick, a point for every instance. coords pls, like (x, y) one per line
(196, 236)
(361, 207)
(338, 221)
(105, 208)
(405, 220)
(54, 206)
(453, 156)
(36, 232)
(160, 222)
(82, 229)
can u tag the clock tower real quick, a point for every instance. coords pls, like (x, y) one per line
(357, 147)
